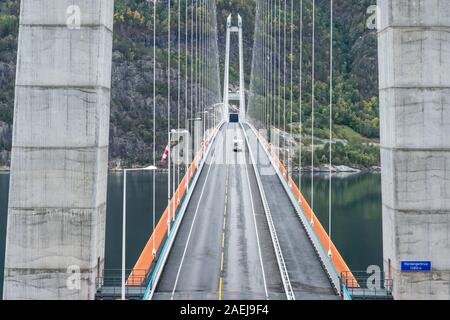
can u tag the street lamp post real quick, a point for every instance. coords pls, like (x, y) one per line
(205, 123)
(194, 135)
(205, 115)
(124, 219)
(214, 108)
(171, 213)
(201, 116)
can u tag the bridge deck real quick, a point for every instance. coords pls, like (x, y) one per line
(223, 248)
(307, 276)
(226, 195)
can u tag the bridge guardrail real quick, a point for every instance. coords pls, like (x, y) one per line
(276, 244)
(333, 264)
(361, 285)
(109, 284)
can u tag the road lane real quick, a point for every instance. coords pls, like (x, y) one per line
(307, 275)
(194, 264)
(244, 270)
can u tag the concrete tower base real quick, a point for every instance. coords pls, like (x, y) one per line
(414, 63)
(57, 199)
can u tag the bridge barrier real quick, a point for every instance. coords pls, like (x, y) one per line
(338, 263)
(109, 285)
(148, 257)
(367, 286)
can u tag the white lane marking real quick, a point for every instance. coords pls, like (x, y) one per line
(193, 222)
(256, 227)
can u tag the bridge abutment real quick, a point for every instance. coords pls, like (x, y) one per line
(414, 64)
(57, 198)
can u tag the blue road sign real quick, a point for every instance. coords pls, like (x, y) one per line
(234, 118)
(416, 266)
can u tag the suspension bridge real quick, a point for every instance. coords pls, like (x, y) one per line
(237, 225)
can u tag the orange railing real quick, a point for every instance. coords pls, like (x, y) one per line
(148, 255)
(324, 239)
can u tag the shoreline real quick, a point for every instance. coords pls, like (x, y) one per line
(117, 170)
(340, 169)
(324, 169)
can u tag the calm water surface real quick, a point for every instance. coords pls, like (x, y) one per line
(356, 215)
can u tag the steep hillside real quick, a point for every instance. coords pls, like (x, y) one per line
(131, 126)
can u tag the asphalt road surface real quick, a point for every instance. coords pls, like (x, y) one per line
(308, 278)
(223, 248)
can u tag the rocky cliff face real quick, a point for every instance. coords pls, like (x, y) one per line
(131, 126)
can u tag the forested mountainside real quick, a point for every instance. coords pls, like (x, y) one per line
(131, 136)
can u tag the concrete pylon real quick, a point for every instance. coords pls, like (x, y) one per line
(226, 81)
(414, 64)
(226, 99)
(241, 72)
(57, 198)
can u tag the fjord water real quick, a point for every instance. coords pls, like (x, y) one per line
(356, 225)
(356, 215)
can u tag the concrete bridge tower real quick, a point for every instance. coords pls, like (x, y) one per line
(414, 66)
(226, 95)
(57, 197)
